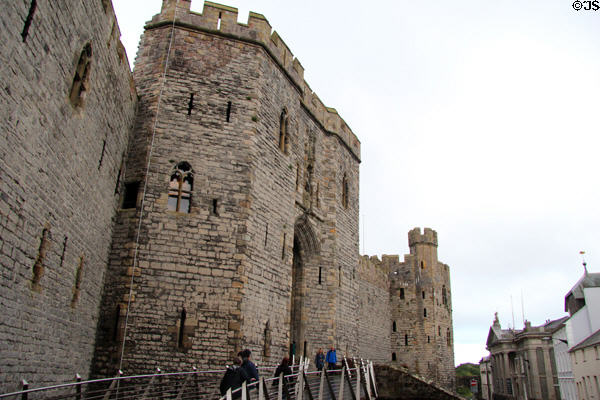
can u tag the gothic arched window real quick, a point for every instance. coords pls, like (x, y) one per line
(180, 188)
(284, 137)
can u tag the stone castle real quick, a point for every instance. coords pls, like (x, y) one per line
(207, 202)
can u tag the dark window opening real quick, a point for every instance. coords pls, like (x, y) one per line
(228, 116)
(266, 234)
(439, 330)
(320, 274)
(394, 326)
(267, 340)
(424, 312)
(102, 154)
(105, 5)
(318, 197)
(428, 339)
(116, 326)
(393, 356)
(215, 207)
(131, 194)
(78, 279)
(345, 191)
(401, 293)
(422, 265)
(283, 132)
(80, 85)
(191, 104)
(180, 188)
(448, 337)
(305, 348)
(406, 340)
(219, 23)
(283, 248)
(64, 249)
(119, 174)
(38, 267)
(29, 20)
(444, 296)
(181, 328)
(340, 276)
(423, 294)
(297, 176)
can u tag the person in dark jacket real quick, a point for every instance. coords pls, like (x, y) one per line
(285, 368)
(233, 378)
(249, 366)
(331, 358)
(320, 359)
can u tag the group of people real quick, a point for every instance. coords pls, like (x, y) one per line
(244, 370)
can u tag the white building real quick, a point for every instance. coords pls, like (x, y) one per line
(566, 381)
(583, 334)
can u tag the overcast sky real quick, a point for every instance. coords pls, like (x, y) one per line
(477, 118)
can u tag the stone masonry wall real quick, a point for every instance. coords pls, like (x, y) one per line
(60, 155)
(375, 327)
(421, 305)
(229, 261)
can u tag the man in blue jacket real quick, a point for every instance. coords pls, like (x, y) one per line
(249, 366)
(331, 358)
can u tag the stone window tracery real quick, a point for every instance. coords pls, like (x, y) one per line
(180, 188)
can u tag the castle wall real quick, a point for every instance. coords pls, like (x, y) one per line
(230, 269)
(375, 327)
(60, 155)
(420, 300)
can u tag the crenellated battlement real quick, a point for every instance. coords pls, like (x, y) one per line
(429, 236)
(223, 20)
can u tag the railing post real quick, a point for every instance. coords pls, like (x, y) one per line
(78, 387)
(244, 391)
(341, 395)
(25, 387)
(322, 384)
(280, 388)
(357, 381)
(228, 394)
(300, 383)
(373, 379)
(261, 388)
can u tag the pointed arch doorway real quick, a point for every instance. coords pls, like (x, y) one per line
(305, 260)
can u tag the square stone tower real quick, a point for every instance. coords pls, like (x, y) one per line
(239, 225)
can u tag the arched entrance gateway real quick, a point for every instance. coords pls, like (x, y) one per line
(305, 266)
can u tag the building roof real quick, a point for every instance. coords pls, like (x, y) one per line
(587, 280)
(497, 334)
(553, 326)
(592, 340)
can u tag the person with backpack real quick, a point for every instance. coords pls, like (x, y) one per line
(234, 376)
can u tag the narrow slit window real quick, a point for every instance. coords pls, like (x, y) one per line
(180, 188)
(340, 276)
(393, 356)
(38, 267)
(283, 247)
(191, 104)
(228, 115)
(118, 183)
(266, 234)
(78, 279)
(424, 312)
(428, 339)
(64, 250)
(345, 191)
(29, 20)
(423, 294)
(219, 22)
(116, 325)
(320, 274)
(406, 340)
(80, 85)
(402, 293)
(102, 154)
(181, 328)
(394, 326)
(215, 207)
(283, 132)
(131, 194)
(297, 176)
(444, 296)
